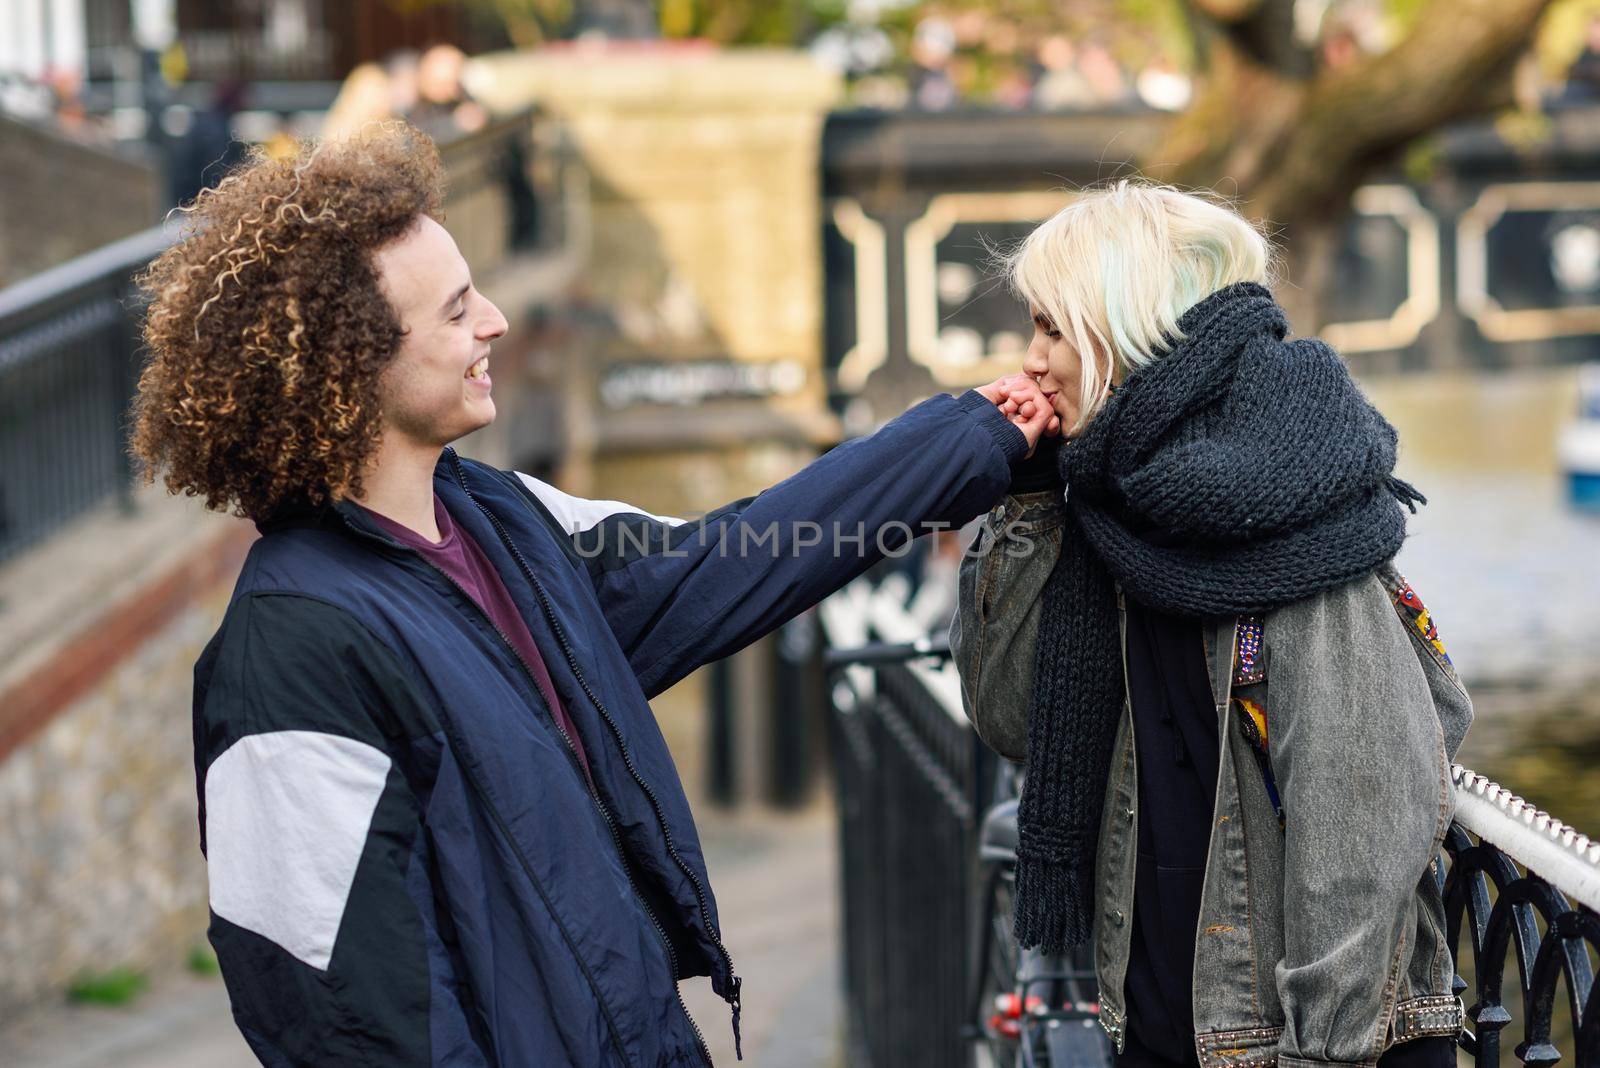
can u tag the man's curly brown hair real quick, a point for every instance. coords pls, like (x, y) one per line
(267, 329)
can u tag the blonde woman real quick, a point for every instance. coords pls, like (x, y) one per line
(1236, 716)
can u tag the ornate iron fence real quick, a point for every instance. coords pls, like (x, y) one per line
(1528, 888)
(912, 781)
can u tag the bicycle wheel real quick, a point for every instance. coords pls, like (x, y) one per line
(996, 1027)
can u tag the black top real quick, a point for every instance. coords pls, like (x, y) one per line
(1176, 742)
(1175, 739)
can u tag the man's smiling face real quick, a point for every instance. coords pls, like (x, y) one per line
(436, 388)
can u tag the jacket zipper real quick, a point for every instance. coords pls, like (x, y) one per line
(572, 756)
(627, 760)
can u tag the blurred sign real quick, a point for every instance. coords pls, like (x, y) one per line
(1575, 258)
(962, 321)
(690, 382)
(1529, 260)
(1387, 265)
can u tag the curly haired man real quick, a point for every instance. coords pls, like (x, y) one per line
(441, 825)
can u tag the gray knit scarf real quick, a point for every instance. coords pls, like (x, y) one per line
(1238, 473)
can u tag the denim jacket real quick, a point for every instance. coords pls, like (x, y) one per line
(1321, 938)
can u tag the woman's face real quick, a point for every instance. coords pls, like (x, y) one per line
(1053, 361)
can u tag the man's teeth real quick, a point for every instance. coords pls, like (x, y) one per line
(479, 369)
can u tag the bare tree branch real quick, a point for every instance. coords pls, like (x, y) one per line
(1261, 30)
(1455, 63)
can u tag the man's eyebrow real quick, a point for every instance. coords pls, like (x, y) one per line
(457, 295)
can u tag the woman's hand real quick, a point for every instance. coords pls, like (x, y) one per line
(1020, 400)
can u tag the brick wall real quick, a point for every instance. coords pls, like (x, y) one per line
(99, 632)
(103, 867)
(63, 199)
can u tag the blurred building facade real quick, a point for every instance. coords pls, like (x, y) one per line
(258, 40)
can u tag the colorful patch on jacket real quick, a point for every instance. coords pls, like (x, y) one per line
(1249, 659)
(1411, 607)
(1253, 725)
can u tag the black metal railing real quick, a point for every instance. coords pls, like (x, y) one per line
(906, 775)
(504, 190)
(912, 780)
(1511, 913)
(68, 339)
(69, 350)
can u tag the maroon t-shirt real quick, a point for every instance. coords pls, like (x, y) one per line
(460, 557)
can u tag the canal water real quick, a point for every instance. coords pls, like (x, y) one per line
(1511, 571)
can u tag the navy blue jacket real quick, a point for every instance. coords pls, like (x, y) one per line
(406, 865)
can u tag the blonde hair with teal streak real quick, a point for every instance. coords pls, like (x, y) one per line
(1115, 269)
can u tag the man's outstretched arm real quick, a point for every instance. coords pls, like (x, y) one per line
(680, 594)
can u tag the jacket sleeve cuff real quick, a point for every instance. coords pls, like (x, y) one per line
(1012, 443)
(1307, 1062)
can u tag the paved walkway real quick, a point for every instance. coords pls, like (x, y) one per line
(776, 888)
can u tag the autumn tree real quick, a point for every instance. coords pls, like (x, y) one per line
(1294, 134)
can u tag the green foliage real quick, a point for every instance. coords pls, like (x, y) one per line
(1421, 158)
(531, 22)
(116, 986)
(202, 960)
(747, 22)
(1168, 22)
(1526, 131)
(1561, 35)
(1559, 39)
(1134, 30)
(1404, 14)
(997, 41)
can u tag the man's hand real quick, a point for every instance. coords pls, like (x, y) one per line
(1019, 398)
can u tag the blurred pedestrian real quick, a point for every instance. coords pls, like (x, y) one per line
(366, 96)
(1060, 85)
(71, 115)
(1107, 80)
(401, 67)
(444, 109)
(208, 149)
(1013, 88)
(933, 44)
